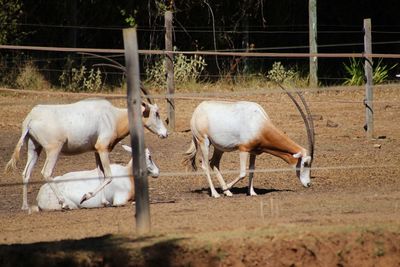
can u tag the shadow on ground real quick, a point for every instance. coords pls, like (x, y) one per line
(240, 191)
(106, 250)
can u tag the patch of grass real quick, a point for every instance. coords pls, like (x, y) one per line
(30, 78)
(379, 249)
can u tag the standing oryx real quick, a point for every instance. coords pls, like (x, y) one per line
(246, 127)
(88, 125)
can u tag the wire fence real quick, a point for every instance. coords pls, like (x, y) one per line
(217, 95)
(179, 174)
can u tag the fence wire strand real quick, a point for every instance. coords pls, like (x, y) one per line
(179, 174)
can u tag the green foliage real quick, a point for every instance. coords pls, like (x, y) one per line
(186, 70)
(80, 79)
(356, 73)
(355, 70)
(129, 18)
(31, 78)
(278, 73)
(381, 72)
(10, 13)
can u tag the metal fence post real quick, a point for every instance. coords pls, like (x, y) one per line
(136, 131)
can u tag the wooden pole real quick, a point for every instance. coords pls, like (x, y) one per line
(136, 132)
(312, 21)
(169, 66)
(369, 110)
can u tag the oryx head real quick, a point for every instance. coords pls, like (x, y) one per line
(303, 168)
(152, 168)
(152, 120)
(305, 159)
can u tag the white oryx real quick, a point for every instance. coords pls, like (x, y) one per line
(75, 184)
(246, 127)
(88, 125)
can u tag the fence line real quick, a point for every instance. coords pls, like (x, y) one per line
(210, 53)
(194, 28)
(215, 95)
(201, 173)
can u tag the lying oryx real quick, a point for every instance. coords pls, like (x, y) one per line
(246, 127)
(88, 125)
(74, 184)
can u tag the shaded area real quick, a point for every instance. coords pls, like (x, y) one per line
(107, 250)
(240, 190)
(373, 247)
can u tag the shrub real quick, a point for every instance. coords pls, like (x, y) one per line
(278, 73)
(81, 79)
(186, 70)
(356, 73)
(30, 78)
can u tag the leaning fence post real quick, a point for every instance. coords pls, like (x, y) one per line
(169, 66)
(369, 110)
(136, 131)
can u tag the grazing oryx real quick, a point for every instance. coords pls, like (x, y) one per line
(246, 127)
(74, 184)
(88, 125)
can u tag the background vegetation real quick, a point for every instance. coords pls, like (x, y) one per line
(256, 25)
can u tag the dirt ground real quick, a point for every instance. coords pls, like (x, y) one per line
(350, 216)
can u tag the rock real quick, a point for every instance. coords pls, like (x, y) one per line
(331, 124)
(317, 117)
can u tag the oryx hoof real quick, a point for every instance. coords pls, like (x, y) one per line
(228, 193)
(252, 193)
(105, 203)
(215, 195)
(86, 197)
(65, 206)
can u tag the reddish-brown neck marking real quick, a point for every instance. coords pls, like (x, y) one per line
(122, 124)
(273, 141)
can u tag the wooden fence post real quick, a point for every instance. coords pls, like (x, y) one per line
(169, 66)
(369, 110)
(136, 131)
(312, 28)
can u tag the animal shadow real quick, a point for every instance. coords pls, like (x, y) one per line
(240, 190)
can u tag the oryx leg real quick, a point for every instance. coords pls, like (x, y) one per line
(252, 165)
(47, 171)
(34, 150)
(243, 160)
(214, 164)
(204, 146)
(100, 171)
(105, 162)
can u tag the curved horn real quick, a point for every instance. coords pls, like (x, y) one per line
(123, 69)
(104, 57)
(119, 66)
(307, 119)
(146, 93)
(311, 123)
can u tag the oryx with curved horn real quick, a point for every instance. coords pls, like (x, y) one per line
(245, 126)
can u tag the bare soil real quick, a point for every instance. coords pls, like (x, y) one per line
(350, 216)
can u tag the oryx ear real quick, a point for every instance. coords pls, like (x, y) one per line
(127, 148)
(145, 110)
(297, 155)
